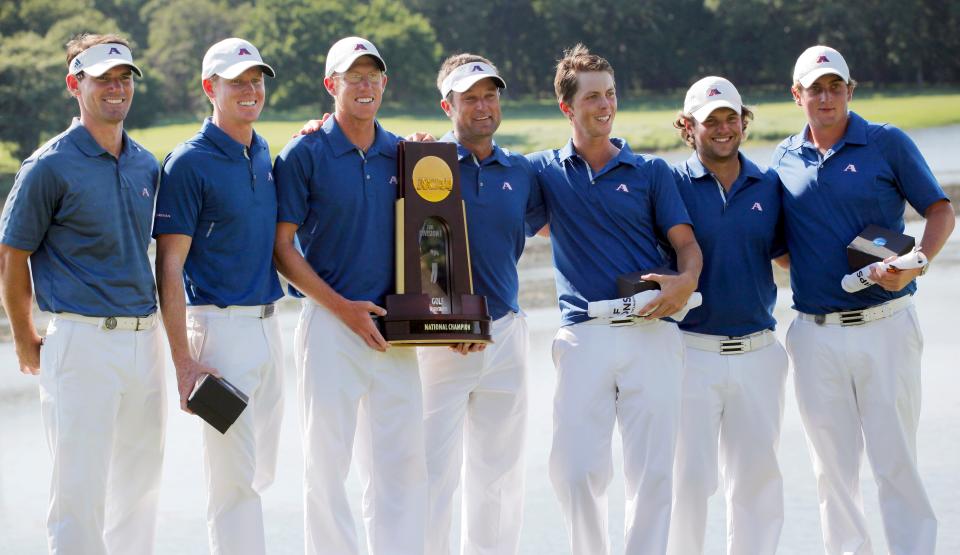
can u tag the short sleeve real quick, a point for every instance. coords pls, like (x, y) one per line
(668, 206)
(31, 205)
(536, 209)
(292, 172)
(913, 175)
(179, 198)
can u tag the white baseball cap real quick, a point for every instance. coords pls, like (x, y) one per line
(97, 59)
(231, 57)
(464, 76)
(818, 61)
(710, 93)
(346, 51)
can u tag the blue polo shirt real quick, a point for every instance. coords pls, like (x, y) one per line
(343, 200)
(222, 194)
(830, 198)
(85, 217)
(739, 232)
(498, 192)
(607, 223)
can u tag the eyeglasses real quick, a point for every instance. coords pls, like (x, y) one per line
(354, 77)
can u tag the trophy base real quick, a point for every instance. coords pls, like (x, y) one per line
(410, 322)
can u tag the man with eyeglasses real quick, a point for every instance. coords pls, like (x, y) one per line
(336, 191)
(78, 222)
(856, 356)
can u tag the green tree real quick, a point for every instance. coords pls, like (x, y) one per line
(294, 35)
(33, 99)
(34, 103)
(181, 31)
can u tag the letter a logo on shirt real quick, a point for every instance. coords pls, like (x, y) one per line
(850, 168)
(393, 180)
(756, 206)
(506, 186)
(623, 188)
(145, 193)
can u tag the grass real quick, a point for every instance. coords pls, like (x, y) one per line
(536, 125)
(528, 127)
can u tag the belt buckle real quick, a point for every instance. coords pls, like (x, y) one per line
(851, 318)
(819, 319)
(733, 346)
(109, 323)
(267, 311)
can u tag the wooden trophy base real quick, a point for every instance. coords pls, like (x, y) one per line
(410, 322)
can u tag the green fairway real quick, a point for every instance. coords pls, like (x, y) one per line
(527, 128)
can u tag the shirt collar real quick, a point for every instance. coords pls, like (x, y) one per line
(747, 168)
(227, 144)
(383, 143)
(855, 134)
(88, 145)
(625, 156)
(498, 155)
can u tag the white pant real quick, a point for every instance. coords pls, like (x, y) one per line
(337, 375)
(482, 396)
(631, 375)
(732, 411)
(104, 407)
(240, 464)
(859, 386)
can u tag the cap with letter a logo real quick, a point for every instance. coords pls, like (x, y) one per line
(346, 51)
(818, 61)
(463, 77)
(231, 57)
(710, 93)
(97, 59)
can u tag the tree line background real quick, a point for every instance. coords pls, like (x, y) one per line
(654, 45)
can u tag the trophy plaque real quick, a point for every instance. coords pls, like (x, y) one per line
(434, 303)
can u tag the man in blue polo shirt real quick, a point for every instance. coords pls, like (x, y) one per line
(475, 399)
(215, 224)
(857, 377)
(610, 212)
(79, 213)
(336, 190)
(733, 386)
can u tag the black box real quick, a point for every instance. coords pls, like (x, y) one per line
(630, 284)
(877, 243)
(217, 401)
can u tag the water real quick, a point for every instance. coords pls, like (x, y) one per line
(25, 464)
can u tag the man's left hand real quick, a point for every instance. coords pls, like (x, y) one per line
(674, 292)
(312, 126)
(893, 279)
